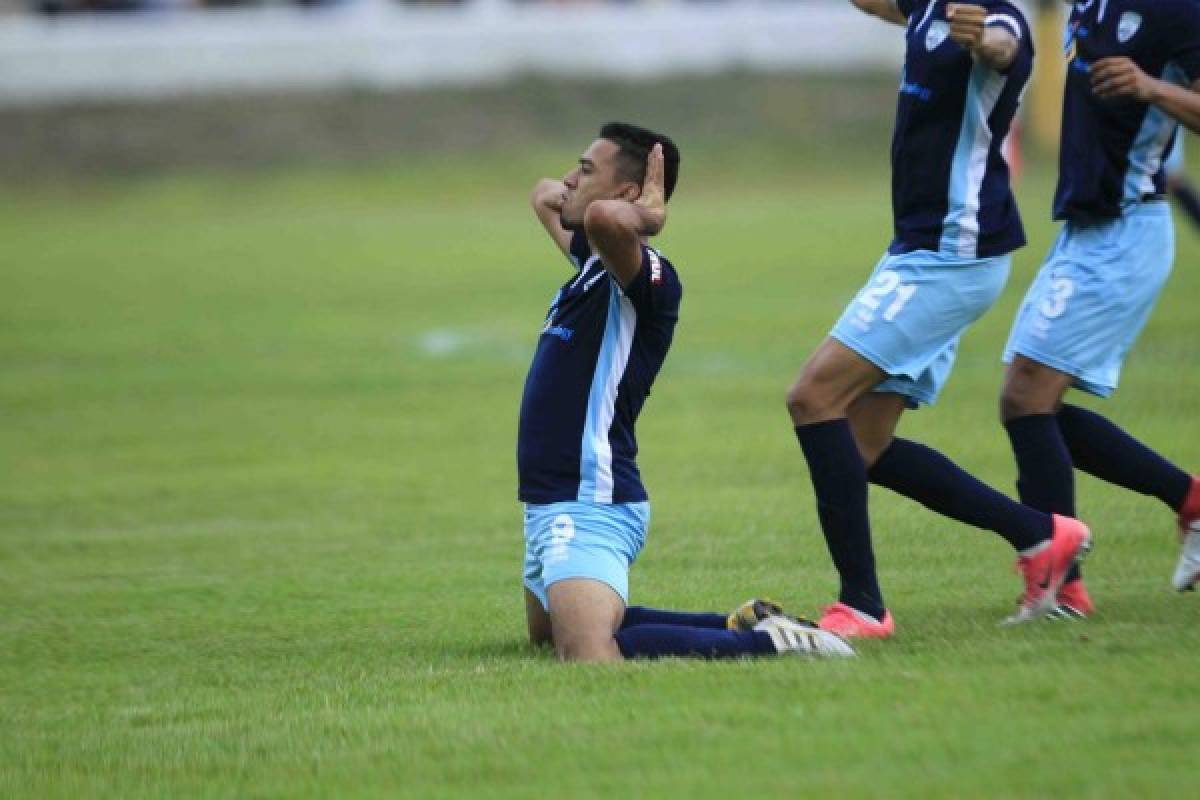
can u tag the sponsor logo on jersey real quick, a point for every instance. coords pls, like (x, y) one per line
(916, 90)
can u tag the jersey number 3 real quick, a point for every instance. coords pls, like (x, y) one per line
(1055, 302)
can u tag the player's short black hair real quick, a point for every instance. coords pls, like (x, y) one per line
(634, 145)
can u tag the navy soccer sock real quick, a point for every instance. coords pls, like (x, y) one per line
(638, 615)
(1045, 480)
(658, 641)
(936, 482)
(839, 479)
(1045, 474)
(1100, 448)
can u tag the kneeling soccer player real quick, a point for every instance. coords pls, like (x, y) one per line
(604, 339)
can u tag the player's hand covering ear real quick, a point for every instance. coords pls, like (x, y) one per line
(547, 201)
(549, 194)
(1120, 77)
(653, 200)
(966, 25)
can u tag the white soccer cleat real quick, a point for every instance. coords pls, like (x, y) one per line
(1187, 571)
(803, 639)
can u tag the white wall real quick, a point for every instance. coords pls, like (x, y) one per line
(377, 44)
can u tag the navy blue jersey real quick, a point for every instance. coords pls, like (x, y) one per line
(597, 357)
(1112, 151)
(950, 184)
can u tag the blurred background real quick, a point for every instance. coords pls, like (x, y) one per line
(119, 86)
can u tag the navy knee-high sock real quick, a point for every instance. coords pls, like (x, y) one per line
(1045, 474)
(639, 615)
(936, 482)
(1044, 469)
(1100, 448)
(658, 641)
(839, 479)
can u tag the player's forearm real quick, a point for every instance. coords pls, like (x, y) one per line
(616, 218)
(998, 49)
(1179, 102)
(547, 202)
(884, 9)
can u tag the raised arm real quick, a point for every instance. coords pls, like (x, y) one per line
(993, 39)
(547, 200)
(615, 228)
(1121, 77)
(886, 10)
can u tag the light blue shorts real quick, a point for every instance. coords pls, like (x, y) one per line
(908, 318)
(583, 540)
(1094, 294)
(1174, 164)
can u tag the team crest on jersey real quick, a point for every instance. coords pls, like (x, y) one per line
(938, 31)
(1127, 28)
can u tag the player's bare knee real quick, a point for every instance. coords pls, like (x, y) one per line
(806, 402)
(1022, 395)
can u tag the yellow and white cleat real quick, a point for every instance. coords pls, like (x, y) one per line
(752, 612)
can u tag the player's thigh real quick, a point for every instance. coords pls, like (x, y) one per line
(1031, 387)
(536, 534)
(537, 619)
(589, 542)
(910, 315)
(585, 613)
(873, 418)
(1092, 298)
(925, 388)
(833, 377)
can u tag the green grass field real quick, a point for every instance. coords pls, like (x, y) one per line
(259, 536)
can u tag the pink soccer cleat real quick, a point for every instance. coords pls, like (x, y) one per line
(1073, 602)
(1045, 570)
(1189, 514)
(849, 623)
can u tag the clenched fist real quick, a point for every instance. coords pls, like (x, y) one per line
(966, 25)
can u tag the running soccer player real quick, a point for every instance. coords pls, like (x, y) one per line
(1133, 76)
(603, 341)
(956, 223)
